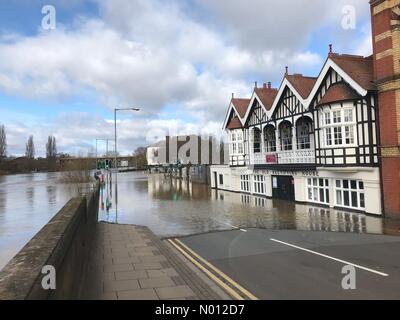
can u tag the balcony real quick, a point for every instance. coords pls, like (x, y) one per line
(293, 157)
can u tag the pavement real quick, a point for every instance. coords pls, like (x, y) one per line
(284, 264)
(130, 263)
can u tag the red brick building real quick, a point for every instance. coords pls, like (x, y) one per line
(386, 44)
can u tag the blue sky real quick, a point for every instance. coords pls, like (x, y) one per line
(179, 61)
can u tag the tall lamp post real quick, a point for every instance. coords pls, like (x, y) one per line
(115, 156)
(115, 130)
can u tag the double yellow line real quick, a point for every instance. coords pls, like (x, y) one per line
(234, 289)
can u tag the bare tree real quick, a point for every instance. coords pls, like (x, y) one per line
(51, 147)
(3, 142)
(30, 148)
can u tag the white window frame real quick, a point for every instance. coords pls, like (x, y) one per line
(360, 193)
(328, 126)
(313, 189)
(237, 143)
(259, 184)
(245, 183)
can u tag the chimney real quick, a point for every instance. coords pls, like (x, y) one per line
(330, 53)
(269, 85)
(233, 95)
(264, 85)
(287, 70)
(255, 84)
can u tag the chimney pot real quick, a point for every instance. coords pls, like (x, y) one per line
(330, 48)
(255, 84)
(269, 85)
(264, 85)
(287, 70)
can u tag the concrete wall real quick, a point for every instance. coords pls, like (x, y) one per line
(62, 243)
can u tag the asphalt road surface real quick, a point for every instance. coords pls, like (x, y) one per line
(277, 264)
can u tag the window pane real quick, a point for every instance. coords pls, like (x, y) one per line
(345, 184)
(327, 196)
(339, 197)
(338, 183)
(354, 199)
(361, 185)
(362, 202)
(321, 195)
(321, 182)
(310, 197)
(346, 199)
(353, 184)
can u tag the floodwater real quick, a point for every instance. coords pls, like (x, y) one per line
(27, 203)
(171, 207)
(167, 206)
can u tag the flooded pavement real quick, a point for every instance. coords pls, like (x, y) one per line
(27, 203)
(172, 207)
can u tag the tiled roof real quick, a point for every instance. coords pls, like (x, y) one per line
(241, 106)
(234, 123)
(359, 68)
(338, 92)
(302, 84)
(266, 95)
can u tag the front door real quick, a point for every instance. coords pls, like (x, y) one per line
(283, 187)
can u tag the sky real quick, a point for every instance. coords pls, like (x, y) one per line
(179, 61)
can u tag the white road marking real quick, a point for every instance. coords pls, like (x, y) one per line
(332, 258)
(232, 226)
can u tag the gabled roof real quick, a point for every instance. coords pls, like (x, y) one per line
(302, 84)
(338, 92)
(240, 105)
(266, 95)
(359, 68)
(234, 123)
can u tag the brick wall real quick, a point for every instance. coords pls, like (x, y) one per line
(386, 44)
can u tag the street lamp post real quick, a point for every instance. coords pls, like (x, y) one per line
(115, 130)
(115, 156)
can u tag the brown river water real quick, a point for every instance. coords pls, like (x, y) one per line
(167, 206)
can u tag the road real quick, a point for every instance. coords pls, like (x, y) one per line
(279, 264)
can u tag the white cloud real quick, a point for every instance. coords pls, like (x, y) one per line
(153, 53)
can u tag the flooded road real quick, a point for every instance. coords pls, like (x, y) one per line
(27, 203)
(168, 207)
(172, 207)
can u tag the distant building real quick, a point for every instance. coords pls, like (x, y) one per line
(186, 150)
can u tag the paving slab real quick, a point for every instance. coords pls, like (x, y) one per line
(131, 263)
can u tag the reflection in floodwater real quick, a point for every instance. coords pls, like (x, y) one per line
(280, 214)
(176, 207)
